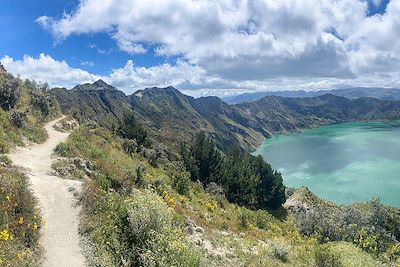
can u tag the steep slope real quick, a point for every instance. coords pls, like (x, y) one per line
(92, 102)
(172, 117)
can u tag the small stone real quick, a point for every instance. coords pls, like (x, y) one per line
(71, 189)
(199, 229)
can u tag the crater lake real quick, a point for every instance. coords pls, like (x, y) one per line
(344, 163)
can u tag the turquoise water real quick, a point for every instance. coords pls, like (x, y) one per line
(344, 163)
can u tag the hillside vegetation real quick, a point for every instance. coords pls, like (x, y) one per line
(167, 181)
(24, 107)
(171, 117)
(146, 210)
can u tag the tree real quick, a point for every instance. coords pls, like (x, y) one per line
(239, 179)
(247, 180)
(202, 159)
(270, 189)
(130, 128)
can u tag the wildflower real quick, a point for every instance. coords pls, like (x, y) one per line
(21, 220)
(35, 226)
(5, 235)
(8, 198)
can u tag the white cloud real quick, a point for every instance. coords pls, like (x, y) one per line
(191, 79)
(230, 43)
(46, 69)
(87, 63)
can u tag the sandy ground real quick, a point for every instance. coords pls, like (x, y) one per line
(60, 238)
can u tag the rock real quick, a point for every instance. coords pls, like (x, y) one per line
(71, 189)
(84, 165)
(199, 229)
(192, 228)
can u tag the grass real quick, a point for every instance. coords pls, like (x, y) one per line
(20, 221)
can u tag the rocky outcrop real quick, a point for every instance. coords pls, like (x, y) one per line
(75, 168)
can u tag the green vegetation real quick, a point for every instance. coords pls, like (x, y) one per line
(143, 205)
(247, 180)
(171, 117)
(194, 224)
(20, 220)
(24, 107)
(131, 129)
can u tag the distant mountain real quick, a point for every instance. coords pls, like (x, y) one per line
(98, 102)
(350, 93)
(96, 86)
(172, 117)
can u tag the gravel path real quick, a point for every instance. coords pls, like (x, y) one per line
(60, 237)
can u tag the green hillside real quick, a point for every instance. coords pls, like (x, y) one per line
(170, 116)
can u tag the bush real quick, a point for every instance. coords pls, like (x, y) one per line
(130, 128)
(130, 146)
(18, 118)
(280, 251)
(39, 97)
(325, 257)
(9, 91)
(371, 227)
(4, 159)
(250, 218)
(136, 231)
(62, 149)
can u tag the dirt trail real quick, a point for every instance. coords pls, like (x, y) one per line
(60, 237)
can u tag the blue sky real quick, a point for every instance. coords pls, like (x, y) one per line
(204, 47)
(21, 35)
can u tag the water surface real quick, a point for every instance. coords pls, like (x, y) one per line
(344, 163)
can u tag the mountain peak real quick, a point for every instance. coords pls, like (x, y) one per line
(97, 85)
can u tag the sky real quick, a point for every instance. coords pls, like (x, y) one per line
(204, 47)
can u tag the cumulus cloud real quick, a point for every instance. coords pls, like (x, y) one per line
(191, 79)
(46, 69)
(251, 41)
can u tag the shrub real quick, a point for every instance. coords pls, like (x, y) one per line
(62, 149)
(180, 179)
(325, 257)
(280, 251)
(152, 155)
(130, 128)
(39, 97)
(129, 146)
(4, 159)
(249, 218)
(371, 227)
(18, 118)
(9, 91)
(136, 231)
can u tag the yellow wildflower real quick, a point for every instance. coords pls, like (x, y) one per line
(21, 220)
(5, 235)
(19, 255)
(8, 198)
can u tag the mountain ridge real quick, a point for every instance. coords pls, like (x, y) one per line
(351, 93)
(172, 117)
